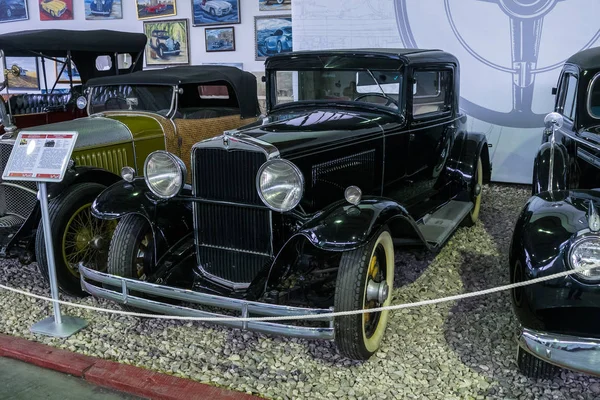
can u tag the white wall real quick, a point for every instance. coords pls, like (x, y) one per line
(479, 34)
(244, 32)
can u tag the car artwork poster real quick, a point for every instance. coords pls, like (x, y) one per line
(215, 12)
(103, 9)
(273, 35)
(220, 39)
(13, 10)
(274, 5)
(168, 42)
(23, 73)
(147, 9)
(56, 10)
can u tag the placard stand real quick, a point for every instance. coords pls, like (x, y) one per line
(59, 325)
(42, 157)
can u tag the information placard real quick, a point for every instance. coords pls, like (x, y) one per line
(40, 156)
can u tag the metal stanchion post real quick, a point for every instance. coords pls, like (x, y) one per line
(59, 325)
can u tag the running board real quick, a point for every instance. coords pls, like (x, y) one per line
(436, 228)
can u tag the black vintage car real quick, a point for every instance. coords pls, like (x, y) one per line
(559, 229)
(299, 213)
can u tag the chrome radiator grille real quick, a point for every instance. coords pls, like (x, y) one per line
(13, 199)
(234, 240)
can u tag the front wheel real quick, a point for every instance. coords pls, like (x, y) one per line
(131, 253)
(476, 193)
(365, 280)
(76, 236)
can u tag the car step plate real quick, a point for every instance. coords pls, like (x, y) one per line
(436, 228)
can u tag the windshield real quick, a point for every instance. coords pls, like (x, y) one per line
(151, 98)
(381, 88)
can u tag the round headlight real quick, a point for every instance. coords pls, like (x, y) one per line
(280, 185)
(586, 253)
(164, 174)
(81, 102)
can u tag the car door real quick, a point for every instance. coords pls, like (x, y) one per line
(432, 115)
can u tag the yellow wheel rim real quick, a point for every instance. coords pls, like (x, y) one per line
(477, 199)
(85, 239)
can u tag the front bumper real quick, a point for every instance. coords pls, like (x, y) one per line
(96, 283)
(571, 352)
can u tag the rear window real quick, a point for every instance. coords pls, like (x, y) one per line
(213, 92)
(594, 97)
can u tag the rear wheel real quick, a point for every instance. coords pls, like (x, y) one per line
(533, 367)
(476, 194)
(76, 236)
(365, 280)
(131, 253)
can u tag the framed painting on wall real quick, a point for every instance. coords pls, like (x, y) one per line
(56, 10)
(64, 76)
(272, 35)
(215, 12)
(13, 10)
(220, 39)
(274, 5)
(168, 42)
(147, 9)
(27, 70)
(103, 9)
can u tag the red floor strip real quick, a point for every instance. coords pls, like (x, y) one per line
(112, 375)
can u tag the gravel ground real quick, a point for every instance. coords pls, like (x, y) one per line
(459, 350)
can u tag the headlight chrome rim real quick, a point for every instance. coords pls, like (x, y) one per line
(296, 171)
(177, 162)
(575, 246)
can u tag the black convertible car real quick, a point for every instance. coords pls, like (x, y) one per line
(299, 213)
(559, 229)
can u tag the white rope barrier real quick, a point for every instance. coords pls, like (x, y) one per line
(312, 316)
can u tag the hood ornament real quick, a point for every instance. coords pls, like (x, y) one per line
(226, 141)
(593, 217)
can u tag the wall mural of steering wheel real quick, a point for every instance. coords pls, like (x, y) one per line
(526, 18)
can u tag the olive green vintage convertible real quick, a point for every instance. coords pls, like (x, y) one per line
(130, 116)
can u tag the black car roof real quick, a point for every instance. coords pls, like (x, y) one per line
(586, 59)
(56, 42)
(84, 46)
(405, 56)
(242, 82)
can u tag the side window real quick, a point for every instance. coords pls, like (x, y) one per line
(568, 101)
(432, 92)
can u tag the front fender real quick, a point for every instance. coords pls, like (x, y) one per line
(170, 220)
(343, 226)
(82, 174)
(550, 168)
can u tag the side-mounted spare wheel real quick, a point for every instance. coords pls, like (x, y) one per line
(476, 194)
(365, 280)
(76, 236)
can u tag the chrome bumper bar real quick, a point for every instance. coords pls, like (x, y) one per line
(98, 288)
(571, 352)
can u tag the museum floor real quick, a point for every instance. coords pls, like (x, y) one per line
(463, 349)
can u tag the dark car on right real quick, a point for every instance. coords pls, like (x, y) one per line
(559, 230)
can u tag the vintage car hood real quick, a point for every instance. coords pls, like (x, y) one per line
(298, 132)
(551, 219)
(93, 131)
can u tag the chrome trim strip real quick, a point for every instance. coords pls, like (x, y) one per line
(589, 157)
(34, 192)
(572, 352)
(243, 306)
(232, 249)
(580, 140)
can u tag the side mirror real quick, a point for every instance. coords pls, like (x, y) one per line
(263, 79)
(554, 90)
(553, 121)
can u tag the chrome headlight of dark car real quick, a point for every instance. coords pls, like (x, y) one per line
(585, 252)
(280, 185)
(164, 174)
